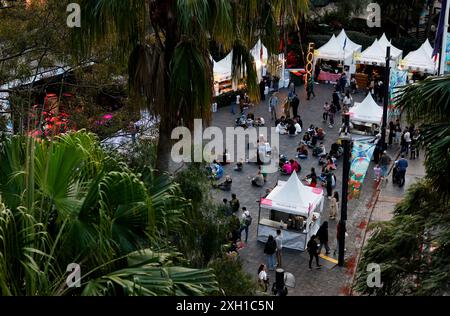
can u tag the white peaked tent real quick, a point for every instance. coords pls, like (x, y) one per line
(294, 198)
(346, 42)
(420, 60)
(395, 52)
(368, 111)
(222, 68)
(376, 53)
(260, 55)
(428, 48)
(333, 50)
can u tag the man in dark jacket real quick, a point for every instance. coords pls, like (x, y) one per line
(313, 248)
(336, 100)
(323, 237)
(295, 103)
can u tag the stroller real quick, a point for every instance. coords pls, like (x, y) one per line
(398, 177)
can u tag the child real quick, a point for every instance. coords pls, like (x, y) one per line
(326, 110)
(377, 172)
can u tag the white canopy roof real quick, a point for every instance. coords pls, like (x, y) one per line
(368, 111)
(333, 50)
(376, 53)
(256, 52)
(420, 59)
(294, 198)
(428, 48)
(349, 44)
(395, 52)
(222, 68)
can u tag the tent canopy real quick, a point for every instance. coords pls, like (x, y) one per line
(222, 68)
(376, 53)
(428, 48)
(347, 42)
(333, 50)
(421, 60)
(367, 111)
(293, 197)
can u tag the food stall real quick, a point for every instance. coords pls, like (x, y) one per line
(366, 116)
(335, 56)
(293, 208)
(420, 61)
(371, 62)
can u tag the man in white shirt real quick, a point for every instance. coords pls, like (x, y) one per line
(273, 106)
(279, 241)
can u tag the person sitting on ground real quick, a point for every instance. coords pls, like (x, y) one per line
(298, 127)
(336, 150)
(320, 151)
(311, 130)
(302, 152)
(226, 185)
(307, 140)
(330, 165)
(320, 133)
(258, 180)
(281, 128)
(282, 161)
(287, 169)
(260, 122)
(291, 129)
(239, 166)
(242, 121)
(216, 171)
(295, 165)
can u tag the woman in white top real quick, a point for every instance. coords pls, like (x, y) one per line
(263, 280)
(348, 100)
(281, 129)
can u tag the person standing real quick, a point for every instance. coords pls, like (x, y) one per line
(407, 137)
(279, 242)
(262, 89)
(331, 114)
(391, 133)
(385, 162)
(402, 166)
(263, 279)
(310, 89)
(338, 232)
(348, 100)
(326, 110)
(329, 182)
(227, 208)
(246, 221)
(313, 250)
(334, 205)
(270, 249)
(336, 100)
(295, 104)
(322, 233)
(234, 203)
(273, 106)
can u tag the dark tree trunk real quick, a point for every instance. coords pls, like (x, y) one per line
(164, 150)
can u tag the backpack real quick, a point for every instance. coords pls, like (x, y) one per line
(248, 220)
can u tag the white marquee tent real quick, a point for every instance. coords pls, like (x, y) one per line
(294, 198)
(368, 111)
(339, 48)
(376, 53)
(420, 60)
(222, 68)
(345, 41)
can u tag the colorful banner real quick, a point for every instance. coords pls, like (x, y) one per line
(447, 63)
(398, 78)
(361, 156)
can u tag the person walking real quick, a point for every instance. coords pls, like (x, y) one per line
(270, 249)
(310, 89)
(322, 233)
(262, 89)
(336, 100)
(331, 114)
(263, 279)
(326, 110)
(391, 133)
(273, 106)
(313, 251)
(402, 166)
(329, 183)
(334, 205)
(246, 221)
(348, 101)
(279, 242)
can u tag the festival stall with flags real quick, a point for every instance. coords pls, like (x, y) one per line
(366, 116)
(332, 57)
(293, 208)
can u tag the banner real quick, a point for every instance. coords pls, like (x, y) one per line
(398, 78)
(447, 60)
(361, 156)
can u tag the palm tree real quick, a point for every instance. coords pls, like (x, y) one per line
(413, 249)
(167, 43)
(65, 201)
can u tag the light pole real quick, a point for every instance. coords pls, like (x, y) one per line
(346, 140)
(387, 80)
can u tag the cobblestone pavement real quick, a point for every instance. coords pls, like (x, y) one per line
(330, 280)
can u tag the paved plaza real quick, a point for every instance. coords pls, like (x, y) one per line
(331, 279)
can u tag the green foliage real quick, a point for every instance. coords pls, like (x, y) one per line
(233, 280)
(67, 201)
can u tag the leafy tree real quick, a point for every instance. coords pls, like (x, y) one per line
(66, 201)
(413, 249)
(167, 44)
